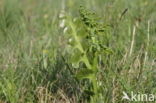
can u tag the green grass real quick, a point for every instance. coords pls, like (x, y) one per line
(35, 64)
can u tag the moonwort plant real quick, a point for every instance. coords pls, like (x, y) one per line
(87, 44)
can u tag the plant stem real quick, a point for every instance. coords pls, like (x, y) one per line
(79, 46)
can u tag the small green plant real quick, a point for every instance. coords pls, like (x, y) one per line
(8, 87)
(87, 44)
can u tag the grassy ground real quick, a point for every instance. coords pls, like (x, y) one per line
(34, 65)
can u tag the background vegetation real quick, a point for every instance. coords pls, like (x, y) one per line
(35, 64)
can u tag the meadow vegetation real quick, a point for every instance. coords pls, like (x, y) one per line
(76, 51)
